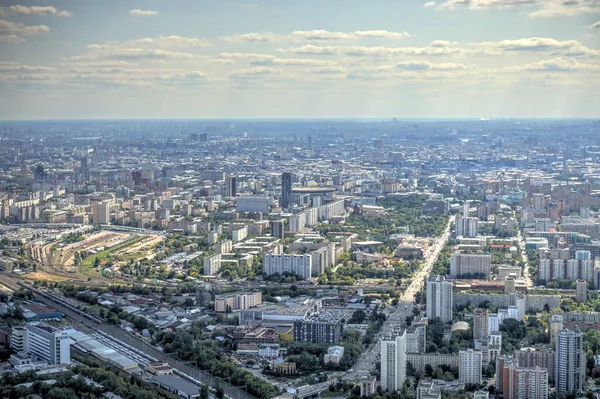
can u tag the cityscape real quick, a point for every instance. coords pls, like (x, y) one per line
(275, 251)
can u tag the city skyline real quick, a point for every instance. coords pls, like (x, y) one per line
(273, 60)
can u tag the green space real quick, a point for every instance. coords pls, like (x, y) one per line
(94, 260)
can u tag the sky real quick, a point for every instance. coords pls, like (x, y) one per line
(107, 59)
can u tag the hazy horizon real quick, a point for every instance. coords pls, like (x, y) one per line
(267, 59)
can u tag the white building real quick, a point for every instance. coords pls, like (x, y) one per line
(44, 342)
(332, 209)
(300, 265)
(469, 366)
(239, 234)
(297, 223)
(334, 354)
(569, 362)
(101, 212)
(18, 339)
(252, 204)
(439, 298)
(393, 363)
(466, 227)
(212, 264)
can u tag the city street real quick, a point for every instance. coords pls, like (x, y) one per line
(370, 357)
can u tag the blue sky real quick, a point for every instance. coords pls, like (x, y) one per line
(75, 59)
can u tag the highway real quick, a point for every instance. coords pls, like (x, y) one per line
(367, 361)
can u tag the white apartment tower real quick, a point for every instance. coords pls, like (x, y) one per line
(569, 361)
(393, 363)
(469, 366)
(439, 298)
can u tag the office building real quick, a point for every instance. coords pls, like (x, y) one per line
(470, 264)
(300, 265)
(286, 189)
(569, 362)
(18, 340)
(427, 389)
(480, 323)
(393, 363)
(325, 327)
(469, 366)
(439, 298)
(44, 342)
(466, 227)
(278, 229)
(581, 291)
(231, 186)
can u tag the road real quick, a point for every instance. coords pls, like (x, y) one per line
(526, 275)
(367, 361)
(121, 335)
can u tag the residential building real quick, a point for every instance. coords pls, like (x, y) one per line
(581, 291)
(531, 358)
(469, 366)
(301, 265)
(466, 227)
(101, 212)
(252, 204)
(367, 385)
(212, 264)
(393, 363)
(516, 382)
(278, 229)
(235, 302)
(439, 298)
(470, 264)
(569, 362)
(326, 327)
(480, 323)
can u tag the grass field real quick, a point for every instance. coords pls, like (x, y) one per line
(89, 261)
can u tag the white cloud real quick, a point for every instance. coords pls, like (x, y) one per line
(529, 44)
(130, 54)
(20, 29)
(33, 10)
(559, 65)
(534, 8)
(314, 35)
(365, 51)
(164, 42)
(142, 13)
(429, 4)
(595, 25)
(428, 66)
(11, 39)
(253, 71)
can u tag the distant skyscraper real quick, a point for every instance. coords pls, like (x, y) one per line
(569, 363)
(439, 298)
(480, 323)
(231, 186)
(286, 189)
(85, 171)
(393, 363)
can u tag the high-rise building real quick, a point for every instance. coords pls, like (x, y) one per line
(252, 204)
(393, 363)
(556, 326)
(286, 189)
(18, 339)
(531, 358)
(439, 298)
(231, 186)
(469, 366)
(516, 382)
(277, 229)
(101, 212)
(466, 227)
(480, 323)
(569, 362)
(581, 291)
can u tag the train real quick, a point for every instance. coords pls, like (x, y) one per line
(61, 301)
